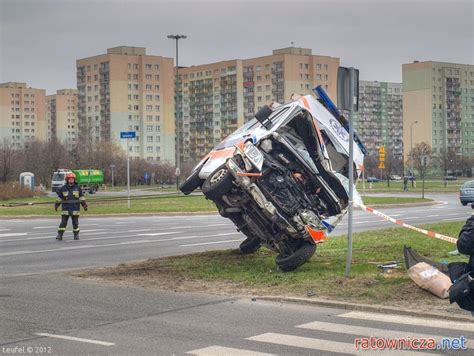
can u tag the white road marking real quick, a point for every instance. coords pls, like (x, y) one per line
(55, 226)
(196, 227)
(323, 345)
(92, 230)
(140, 230)
(5, 229)
(210, 243)
(43, 251)
(13, 234)
(219, 350)
(72, 338)
(410, 320)
(370, 222)
(160, 233)
(373, 332)
(49, 237)
(115, 244)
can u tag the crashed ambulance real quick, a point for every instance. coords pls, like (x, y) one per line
(282, 178)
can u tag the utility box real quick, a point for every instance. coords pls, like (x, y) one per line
(27, 180)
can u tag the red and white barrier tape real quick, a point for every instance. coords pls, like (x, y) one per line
(401, 223)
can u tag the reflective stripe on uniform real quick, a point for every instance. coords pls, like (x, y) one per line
(65, 194)
(76, 212)
(62, 229)
(82, 199)
(76, 230)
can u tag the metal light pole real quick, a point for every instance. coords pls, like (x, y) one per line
(128, 176)
(178, 127)
(411, 151)
(411, 139)
(112, 167)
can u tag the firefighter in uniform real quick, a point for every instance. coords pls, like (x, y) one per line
(70, 192)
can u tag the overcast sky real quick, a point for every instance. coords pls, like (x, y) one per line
(41, 39)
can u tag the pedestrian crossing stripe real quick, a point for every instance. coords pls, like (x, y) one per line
(324, 345)
(373, 332)
(220, 350)
(410, 320)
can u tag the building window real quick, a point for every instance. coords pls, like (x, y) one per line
(148, 66)
(148, 77)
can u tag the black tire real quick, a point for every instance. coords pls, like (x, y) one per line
(298, 258)
(464, 203)
(191, 183)
(218, 183)
(250, 244)
(92, 190)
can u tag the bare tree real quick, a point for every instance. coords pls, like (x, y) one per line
(7, 155)
(421, 157)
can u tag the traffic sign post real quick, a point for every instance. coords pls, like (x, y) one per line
(348, 99)
(381, 160)
(128, 135)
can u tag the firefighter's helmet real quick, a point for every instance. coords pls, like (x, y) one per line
(70, 175)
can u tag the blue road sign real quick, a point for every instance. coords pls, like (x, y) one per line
(146, 175)
(128, 134)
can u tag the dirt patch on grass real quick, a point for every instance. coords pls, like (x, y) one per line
(392, 289)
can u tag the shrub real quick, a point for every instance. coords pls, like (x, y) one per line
(14, 191)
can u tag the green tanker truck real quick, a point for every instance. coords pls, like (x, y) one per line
(88, 179)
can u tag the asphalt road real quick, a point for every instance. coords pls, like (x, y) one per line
(29, 245)
(67, 316)
(47, 312)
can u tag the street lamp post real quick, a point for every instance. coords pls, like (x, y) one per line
(411, 149)
(112, 167)
(177, 118)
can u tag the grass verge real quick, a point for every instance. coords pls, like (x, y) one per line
(433, 186)
(152, 205)
(229, 272)
(105, 205)
(369, 200)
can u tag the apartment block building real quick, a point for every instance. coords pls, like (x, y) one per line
(128, 90)
(22, 113)
(216, 98)
(212, 106)
(379, 120)
(438, 104)
(61, 115)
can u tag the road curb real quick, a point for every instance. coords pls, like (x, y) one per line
(365, 307)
